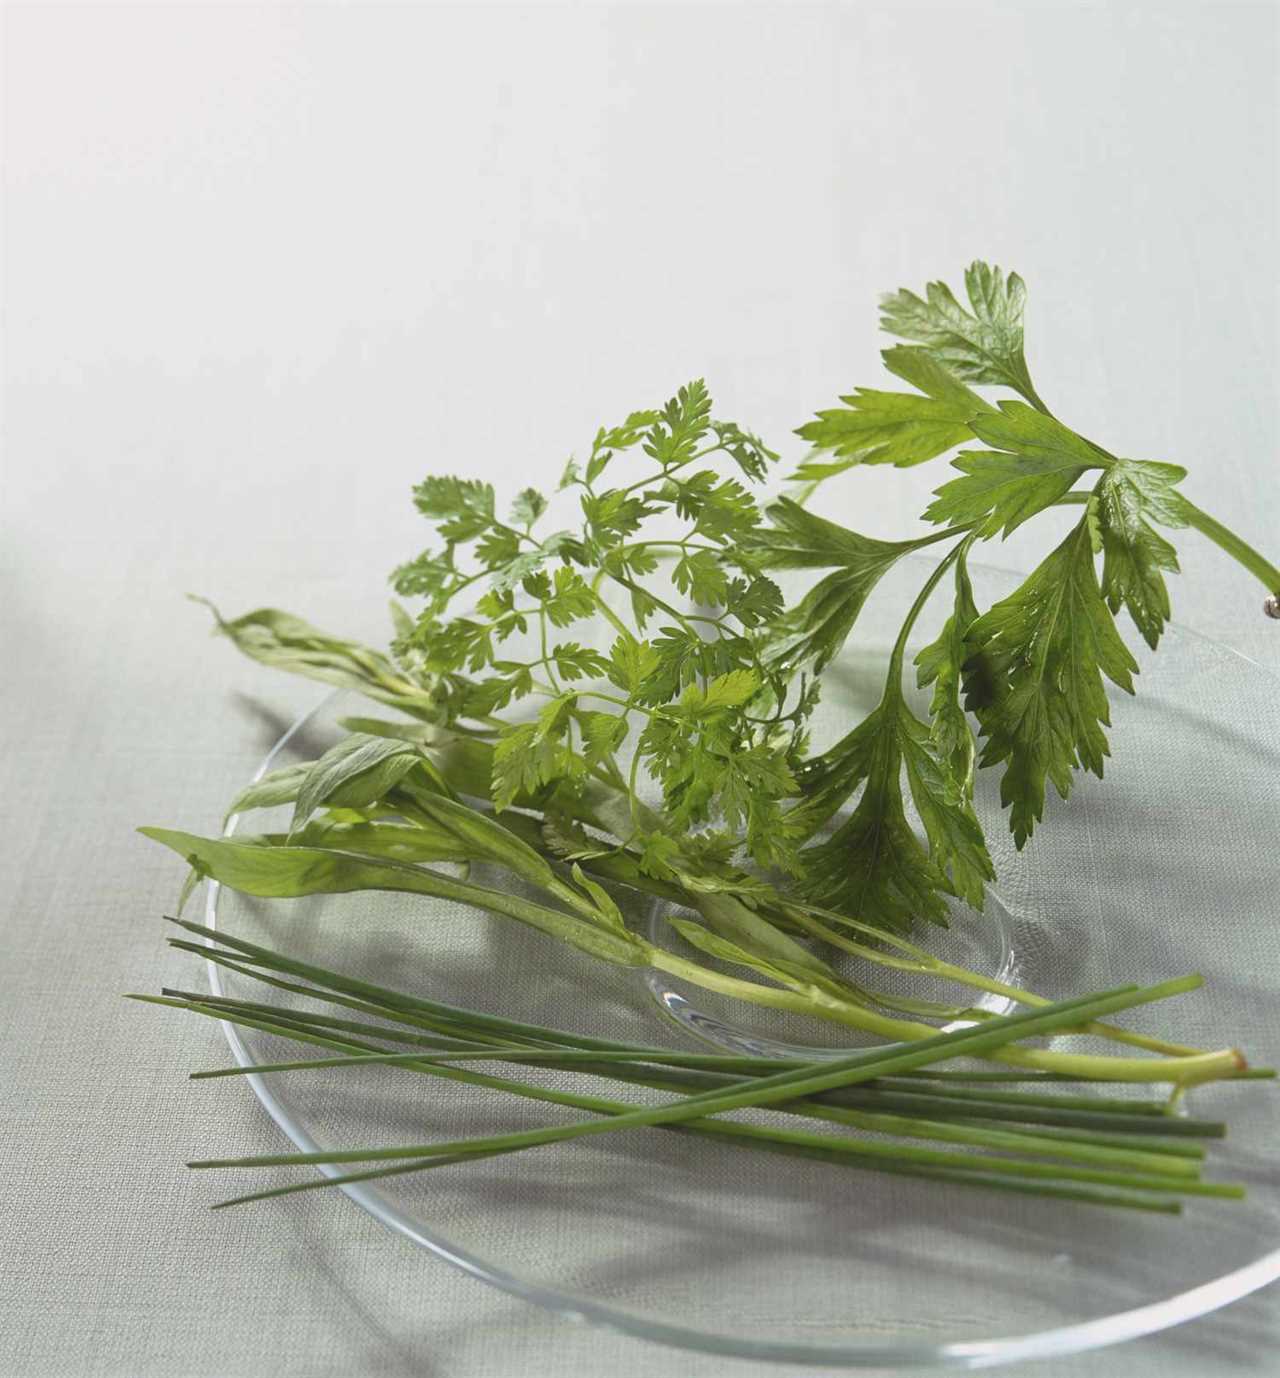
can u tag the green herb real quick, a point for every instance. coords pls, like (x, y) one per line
(1110, 1157)
(607, 687)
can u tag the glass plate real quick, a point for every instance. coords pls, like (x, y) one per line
(1168, 866)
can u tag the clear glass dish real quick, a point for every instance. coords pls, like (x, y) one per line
(1169, 865)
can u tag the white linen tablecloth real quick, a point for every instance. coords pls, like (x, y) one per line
(265, 267)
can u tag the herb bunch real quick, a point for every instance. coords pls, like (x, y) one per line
(673, 756)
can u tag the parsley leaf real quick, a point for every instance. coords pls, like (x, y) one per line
(1035, 679)
(1039, 460)
(1135, 557)
(874, 867)
(981, 346)
(816, 628)
(941, 664)
(899, 428)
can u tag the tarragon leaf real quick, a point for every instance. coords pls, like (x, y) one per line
(286, 642)
(272, 789)
(286, 872)
(359, 770)
(983, 345)
(1035, 679)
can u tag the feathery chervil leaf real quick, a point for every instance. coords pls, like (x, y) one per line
(899, 428)
(602, 735)
(1035, 679)
(1035, 461)
(528, 507)
(464, 505)
(683, 422)
(983, 345)
(1130, 495)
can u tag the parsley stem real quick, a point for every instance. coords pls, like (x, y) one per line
(917, 607)
(1261, 568)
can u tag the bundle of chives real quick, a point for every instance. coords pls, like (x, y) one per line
(1105, 1151)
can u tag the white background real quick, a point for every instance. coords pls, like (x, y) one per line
(264, 268)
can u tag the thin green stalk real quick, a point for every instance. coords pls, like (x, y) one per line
(1082, 1194)
(1261, 568)
(782, 1086)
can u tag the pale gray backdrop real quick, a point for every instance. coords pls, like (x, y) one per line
(265, 267)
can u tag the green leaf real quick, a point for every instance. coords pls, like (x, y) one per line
(285, 642)
(272, 872)
(380, 727)
(805, 975)
(799, 539)
(577, 662)
(816, 628)
(571, 599)
(485, 839)
(1130, 495)
(631, 663)
(896, 428)
(396, 841)
(956, 844)
(529, 756)
(1038, 461)
(755, 602)
(272, 789)
(614, 515)
(358, 770)
(730, 690)
(749, 452)
(607, 912)
(602, 734)
(427, 576)
(874, 868)
(673, 439)
(983, 345)
(700, 574)
(497, 548)
(941, 664)
(465, 506)
(528, 507)
(1035, 679)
